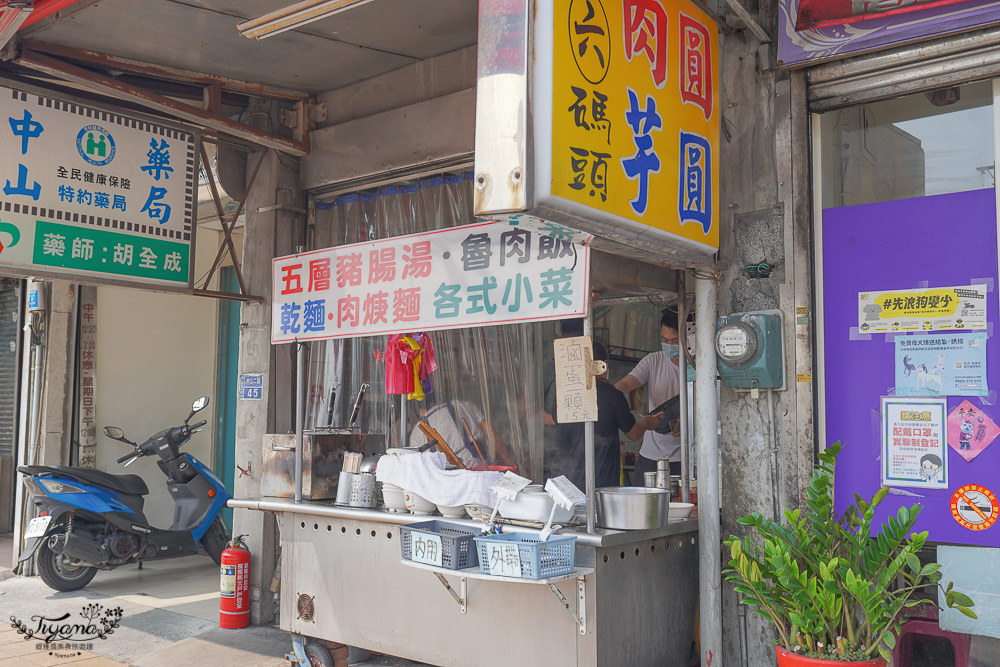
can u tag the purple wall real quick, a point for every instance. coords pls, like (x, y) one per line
(939, 241)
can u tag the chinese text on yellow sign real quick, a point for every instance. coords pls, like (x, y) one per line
(635, 129)
(928, 309)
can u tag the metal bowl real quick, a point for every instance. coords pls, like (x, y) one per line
(632, 507)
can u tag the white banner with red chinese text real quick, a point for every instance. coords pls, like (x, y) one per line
(477, 275)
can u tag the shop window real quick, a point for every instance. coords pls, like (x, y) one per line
(914, 146)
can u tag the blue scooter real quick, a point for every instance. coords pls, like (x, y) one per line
(91, 520)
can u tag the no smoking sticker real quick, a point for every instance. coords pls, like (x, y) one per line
(974, 507)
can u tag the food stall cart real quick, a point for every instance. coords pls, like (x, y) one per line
(632, 595)
(631, 600)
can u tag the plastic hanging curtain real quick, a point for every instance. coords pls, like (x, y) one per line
(495, 369)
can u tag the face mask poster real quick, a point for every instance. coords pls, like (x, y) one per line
(478, 275)
(914, 446)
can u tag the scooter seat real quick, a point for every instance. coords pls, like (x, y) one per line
(130, 484)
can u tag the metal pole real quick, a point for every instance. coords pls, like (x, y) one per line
(682, 364)
(402, 421)
(300, 401)
(706, 432)
(588, 445)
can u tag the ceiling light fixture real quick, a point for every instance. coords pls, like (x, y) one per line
(294, 16)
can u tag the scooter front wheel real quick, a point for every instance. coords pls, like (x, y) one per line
(58, 574)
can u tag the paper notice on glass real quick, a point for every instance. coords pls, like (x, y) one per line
(504, 560)
(931, 309)
(425, 548)
(576, 388)
(947, 364)
(914, 446)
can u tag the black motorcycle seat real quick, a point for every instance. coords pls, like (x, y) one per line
(131, 484)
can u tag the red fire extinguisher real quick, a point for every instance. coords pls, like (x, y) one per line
(234, 587)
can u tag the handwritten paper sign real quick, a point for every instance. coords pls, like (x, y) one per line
(477, 275)
(576, 389)
(508, 486)
(426, 549)
(564, 492)
(505, 561)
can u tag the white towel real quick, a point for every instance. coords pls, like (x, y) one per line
(424, 475)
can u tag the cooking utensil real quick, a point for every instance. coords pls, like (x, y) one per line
(333, 400)
(357, 404)
(344, 487)
(474, 443)
(439, 442)
(362, 490)
(632, 507)
(352, 462)
(368, 464)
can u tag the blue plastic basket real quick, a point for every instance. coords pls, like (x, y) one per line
(539, 560)
(457, 549)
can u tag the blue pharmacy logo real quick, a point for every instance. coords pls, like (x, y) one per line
(695, 191)
(95, 145)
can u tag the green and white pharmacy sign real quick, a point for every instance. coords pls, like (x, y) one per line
(98, 196)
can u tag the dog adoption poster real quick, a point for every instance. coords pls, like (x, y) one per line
(926, 309)
(914, 446)
(952, 364)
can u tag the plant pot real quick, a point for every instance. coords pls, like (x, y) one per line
(787, 658)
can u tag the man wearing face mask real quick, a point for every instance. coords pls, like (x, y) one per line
(660, 374)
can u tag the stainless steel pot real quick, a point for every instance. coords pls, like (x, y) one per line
(632, 507)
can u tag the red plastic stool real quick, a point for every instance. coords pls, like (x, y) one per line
(902, 654)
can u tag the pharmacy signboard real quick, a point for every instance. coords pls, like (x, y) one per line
(99, 196)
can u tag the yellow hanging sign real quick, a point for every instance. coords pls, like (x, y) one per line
(635, 113)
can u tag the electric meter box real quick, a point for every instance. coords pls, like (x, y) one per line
(750, 350)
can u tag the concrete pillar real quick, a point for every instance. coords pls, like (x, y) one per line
(58, 383)
(55, 417)
(765, 194)
(267, 235)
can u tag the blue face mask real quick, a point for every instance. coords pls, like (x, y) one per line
(673, 351)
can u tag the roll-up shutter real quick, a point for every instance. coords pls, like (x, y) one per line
(10, 306)
(911, 69)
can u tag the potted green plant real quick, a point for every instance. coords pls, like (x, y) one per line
(834, 590)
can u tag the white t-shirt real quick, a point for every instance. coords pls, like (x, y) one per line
(661, 377)
(452, 431)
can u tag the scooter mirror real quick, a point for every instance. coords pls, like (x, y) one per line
(114, 432)
(199, 404)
